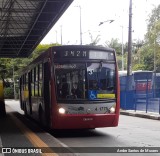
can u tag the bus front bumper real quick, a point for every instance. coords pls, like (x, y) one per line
(85, 121)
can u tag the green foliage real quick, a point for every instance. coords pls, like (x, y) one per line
(154, 16)
(8, 93)
(150, 51)
(138, 67)
(115, 45)
(10, 67)
(147, 57)
(119, 60)
(40, 49)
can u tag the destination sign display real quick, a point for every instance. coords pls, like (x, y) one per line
(91, 54)
(70, 66)
(100, 55)
(74, 53)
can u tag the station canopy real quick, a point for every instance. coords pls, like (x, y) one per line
(24, 23)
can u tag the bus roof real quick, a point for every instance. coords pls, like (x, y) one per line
(67, 47)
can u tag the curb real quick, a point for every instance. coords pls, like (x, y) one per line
(141, 115)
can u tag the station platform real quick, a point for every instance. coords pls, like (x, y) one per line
(19, 136)
(17, 132)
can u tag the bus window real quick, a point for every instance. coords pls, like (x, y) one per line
(65, 87)
(101, 80)
(70, 80)
(40, 78)
(72, 84)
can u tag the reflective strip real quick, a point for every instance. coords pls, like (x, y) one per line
(32, 137)
(101, 96)
(26, 94)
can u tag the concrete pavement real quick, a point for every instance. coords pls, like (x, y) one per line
(142, 114)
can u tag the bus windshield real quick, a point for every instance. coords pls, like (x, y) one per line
(86, 81)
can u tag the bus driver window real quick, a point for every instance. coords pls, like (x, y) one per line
(65, 88)
(76, 91)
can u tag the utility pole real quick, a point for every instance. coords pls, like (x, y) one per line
(155, 55)
(56, 36)
(122, 51)
(80, 23)
(129, 63)
(61, 35)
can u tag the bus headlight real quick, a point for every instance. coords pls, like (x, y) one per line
(62, 111)
(113, 109)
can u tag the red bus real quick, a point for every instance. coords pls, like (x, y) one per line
(72, 87)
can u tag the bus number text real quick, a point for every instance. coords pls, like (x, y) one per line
(75, 54)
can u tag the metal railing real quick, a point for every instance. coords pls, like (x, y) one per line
(144, 95)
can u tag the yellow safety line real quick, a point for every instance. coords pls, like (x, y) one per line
(33, 138)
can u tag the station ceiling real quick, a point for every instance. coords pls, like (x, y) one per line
(24, 23)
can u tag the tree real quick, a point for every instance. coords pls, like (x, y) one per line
(113, 43)
(138, 67)
(12, 67)
(152, 45)
(153, 18)
(40, 49)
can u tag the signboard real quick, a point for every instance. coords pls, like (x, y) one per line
(143, 86)
(88, 54)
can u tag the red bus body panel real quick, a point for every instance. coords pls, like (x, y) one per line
(85, 121)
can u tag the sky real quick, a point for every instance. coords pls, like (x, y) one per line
(95, 11)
